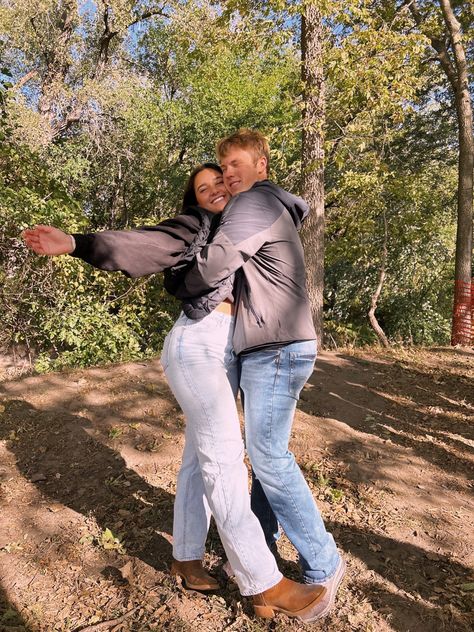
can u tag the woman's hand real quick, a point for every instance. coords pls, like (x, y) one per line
(47, 240)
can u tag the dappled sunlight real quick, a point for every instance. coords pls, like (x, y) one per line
(63, 492)
(405, 584)
(389, 403)
(89, 461)
(72, 467)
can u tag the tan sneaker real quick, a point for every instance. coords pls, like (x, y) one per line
(289, 597)
(194, 575)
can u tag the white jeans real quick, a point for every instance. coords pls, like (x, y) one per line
(202, 371)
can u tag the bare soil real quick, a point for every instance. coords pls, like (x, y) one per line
(88, 464)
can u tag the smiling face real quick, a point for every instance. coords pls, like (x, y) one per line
(242, 169)
(210, 191)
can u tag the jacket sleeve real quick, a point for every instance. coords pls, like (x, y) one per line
(243, 230)
(139, 252)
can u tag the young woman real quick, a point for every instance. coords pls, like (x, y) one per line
(202, 371)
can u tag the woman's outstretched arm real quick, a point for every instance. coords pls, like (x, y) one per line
(134, 252)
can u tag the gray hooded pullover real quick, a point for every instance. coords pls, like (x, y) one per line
(257, 239)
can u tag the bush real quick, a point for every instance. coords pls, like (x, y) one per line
(65, 312)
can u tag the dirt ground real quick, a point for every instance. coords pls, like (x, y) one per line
(88, 463)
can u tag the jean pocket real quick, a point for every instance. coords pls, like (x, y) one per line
(301, 369)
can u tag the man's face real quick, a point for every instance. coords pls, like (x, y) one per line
(241, 170)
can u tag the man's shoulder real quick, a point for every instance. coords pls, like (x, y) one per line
(262, 196)
(263, 189)
(268, 195)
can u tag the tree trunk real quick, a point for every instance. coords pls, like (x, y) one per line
(375, 296)
(457, 73)
(57, 57)
(462, 333)
(313, 158)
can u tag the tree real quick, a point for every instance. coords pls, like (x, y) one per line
(152, 104)
(450, 53)
(111, 103)
(64, 55)
(373, 78)
(312, 155)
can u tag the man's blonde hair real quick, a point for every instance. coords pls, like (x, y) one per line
(245, 138)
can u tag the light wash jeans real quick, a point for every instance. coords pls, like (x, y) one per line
(271, 381)
(202, 371)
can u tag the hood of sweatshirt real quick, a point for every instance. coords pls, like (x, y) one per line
(296, 206)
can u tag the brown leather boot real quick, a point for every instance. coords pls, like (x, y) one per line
(194, 576)
(289, 597)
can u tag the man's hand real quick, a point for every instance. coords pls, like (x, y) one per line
(47, 240)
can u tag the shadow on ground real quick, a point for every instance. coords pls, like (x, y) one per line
(61, 447)
(57, 451)
(10, 618)
(404, 404)
(412, 575)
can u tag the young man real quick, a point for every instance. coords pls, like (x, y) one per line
(274, 335)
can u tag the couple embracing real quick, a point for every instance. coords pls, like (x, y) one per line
(234, 259)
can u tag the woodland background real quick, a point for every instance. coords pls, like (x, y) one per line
(106, 106)
(104, 109)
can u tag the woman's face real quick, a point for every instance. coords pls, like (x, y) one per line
(210, 191)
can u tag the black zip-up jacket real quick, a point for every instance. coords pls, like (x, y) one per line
(258, 239)
(170, 247)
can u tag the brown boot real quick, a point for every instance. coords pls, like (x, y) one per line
(289, 597)
(194, 576)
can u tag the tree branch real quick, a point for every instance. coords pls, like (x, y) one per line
(454, 29)
(21, 82)
(61, 126)
(147, 15)
(375, 296)
(437, 43)
(104, 43)
(108, 35)
(106, 625)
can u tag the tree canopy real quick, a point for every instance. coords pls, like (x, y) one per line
(106, 106)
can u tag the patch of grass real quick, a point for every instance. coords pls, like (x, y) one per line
(323, 482)
(115, 432)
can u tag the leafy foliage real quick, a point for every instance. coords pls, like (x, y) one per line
(107, 106)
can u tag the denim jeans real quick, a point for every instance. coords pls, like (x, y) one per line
(271, 381)
(202, 371)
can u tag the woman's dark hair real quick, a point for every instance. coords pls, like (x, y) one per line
(189, 196)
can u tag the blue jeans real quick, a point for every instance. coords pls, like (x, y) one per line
(271, 381)
(202, 371)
